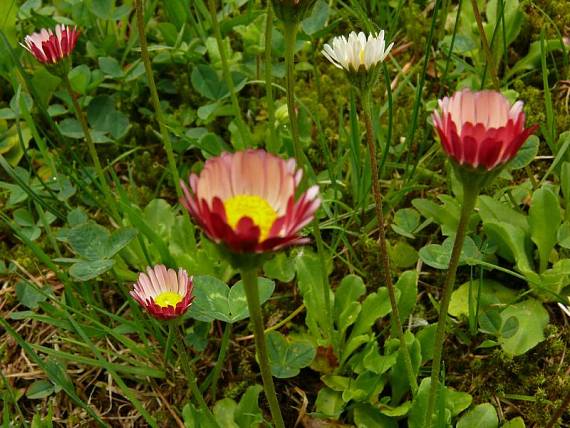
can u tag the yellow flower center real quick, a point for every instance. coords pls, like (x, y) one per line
(254, 207)
(362, 56)
(167, 298)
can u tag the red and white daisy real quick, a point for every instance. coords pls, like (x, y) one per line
(246, 201)
(481, 129)
(49, 47)
(164, 293)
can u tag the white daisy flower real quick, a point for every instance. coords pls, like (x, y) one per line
(357, 51)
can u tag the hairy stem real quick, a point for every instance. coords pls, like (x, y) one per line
(273, 144)
(80, 114)
(249, 279)
(486, 47)
(242, 127)
(290, 35)
(178, 335)
(469, 198)
(154, 98)
(384, 259)
(217, 370)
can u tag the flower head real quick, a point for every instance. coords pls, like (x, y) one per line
(292, 11)
(246, 201)
(358, 51)
(164, 293)
(481, 130)
(49, 47)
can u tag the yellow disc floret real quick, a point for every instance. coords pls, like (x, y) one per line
(254, 207)
(167, 298)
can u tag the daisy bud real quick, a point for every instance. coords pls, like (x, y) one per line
(50, 47)
(481, 131)
(292, 11)
(359, 56)
(163, 293)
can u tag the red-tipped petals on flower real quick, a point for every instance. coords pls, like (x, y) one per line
(246, 201)
(481, 129)
(164, 293)
(49, 47)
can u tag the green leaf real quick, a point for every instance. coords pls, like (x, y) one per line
(544, 219)
(103, 117)
(248, 413)
(517, 422)
(111, 67)
(160, 215)
(367, 416)
(214, 300)
(329, 403)
(526, 153)
(280, 267)
(86, 270)
(481, 416)
(238, 301)
(406, 221)
(224, 411)
(398, 375)
(366, 385)
(438, 256)
(514, 239)
(309, 281)
(89, 241)
(403, 255)
(120, 239)
(532, 319)
(288, 356)
(490, 322)
(40, 389)
(492, 210)
(565, 181)
(79, 78)
(28, 295)
(408, 286)
(207, 83)
(563, 235)
(492, 295)
(316, 21)
(102, 8)
(346, 305)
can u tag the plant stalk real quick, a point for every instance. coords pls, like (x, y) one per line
(290, 36)
(249, 279)
(242, 127)
(273, 143)
(154, 98)
(469, 199)
(91, 147)
(384, 259)
(216, 371)
(486, 47)
(176, 325)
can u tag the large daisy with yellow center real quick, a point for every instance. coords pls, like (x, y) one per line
(163, 292)
(246, 201)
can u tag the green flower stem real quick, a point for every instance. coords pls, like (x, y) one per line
(177, 333)
(217, 370)
(273, 144)
(385, 260)
(154, 98)
(249, 279)
(290, 36)
(242, 127)
(470, 194)
(91, 147)
(486, 47)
